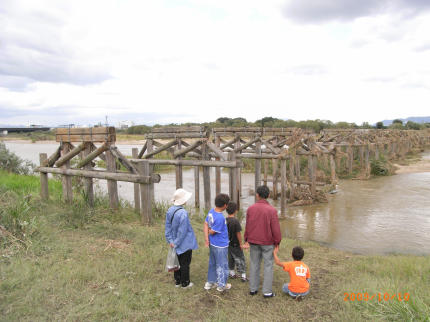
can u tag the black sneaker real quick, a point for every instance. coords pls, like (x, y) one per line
(253, 292)
(269, 295)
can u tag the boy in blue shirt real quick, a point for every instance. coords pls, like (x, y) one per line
(216, 238)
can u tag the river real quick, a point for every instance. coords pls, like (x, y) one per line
(378, 216)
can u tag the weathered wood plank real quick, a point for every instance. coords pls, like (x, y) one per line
(206, 179)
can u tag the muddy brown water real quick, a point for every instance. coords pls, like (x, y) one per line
(378, 216)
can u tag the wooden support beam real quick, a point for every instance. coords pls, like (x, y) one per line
(160, 149)
(44, 191)
(149, 149)
(229, 143)
(271, 147)
(93, 155)
(191, 147)
(216, 150)
(136, 187)
(240, 148)
(124, 161)
(143, 150)
(102, 174)
(53, 158)
(70, 155)
(201, 163)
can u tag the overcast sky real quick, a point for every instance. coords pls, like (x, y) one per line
(178, 61)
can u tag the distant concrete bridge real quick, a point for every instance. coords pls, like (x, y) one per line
(22, 129)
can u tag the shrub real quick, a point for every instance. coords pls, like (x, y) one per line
(10, 162)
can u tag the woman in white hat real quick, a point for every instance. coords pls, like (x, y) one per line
(180, 235)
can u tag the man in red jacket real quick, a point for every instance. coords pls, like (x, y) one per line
(262, 233)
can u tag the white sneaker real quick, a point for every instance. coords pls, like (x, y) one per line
(209, 285)
(189, 285)
(222, 289)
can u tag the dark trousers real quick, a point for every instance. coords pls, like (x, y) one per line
(182, 276)
(236, 259)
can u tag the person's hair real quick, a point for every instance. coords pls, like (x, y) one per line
(263, 192)
(221, 200)
(231, 207)
(298, 253)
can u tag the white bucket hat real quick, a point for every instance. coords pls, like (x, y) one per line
(180, 197)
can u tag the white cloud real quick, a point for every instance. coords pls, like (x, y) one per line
(185, 61)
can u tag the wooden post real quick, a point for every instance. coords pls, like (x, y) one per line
(361, 155)
(275, 179)
(350, 152)
(178, 169)
(366, 161)
(292, 161)
(149, 149)
(66, 180)
(297, 165)
(135, 154)
(266, 169)
(145, 194)
(233, 182)
(44, 191)
(197, 187)
(217, 169)
(283, 186)
(312, 174)
(257, 167)
(112, 184)
(239, 171)
(376, 151)
(206, 178)
(333, 171)
(88, 182)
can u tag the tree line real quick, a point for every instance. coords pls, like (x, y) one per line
(315, 125)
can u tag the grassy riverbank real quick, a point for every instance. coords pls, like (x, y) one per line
(74, 263)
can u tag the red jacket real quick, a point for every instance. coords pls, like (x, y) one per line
(262, 224)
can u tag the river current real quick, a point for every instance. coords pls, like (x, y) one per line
(378, 216)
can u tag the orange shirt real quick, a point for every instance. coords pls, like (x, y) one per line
(299, 272)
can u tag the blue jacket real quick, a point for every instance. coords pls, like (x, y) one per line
(179, 231)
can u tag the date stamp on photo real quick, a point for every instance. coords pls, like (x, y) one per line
(351, 297)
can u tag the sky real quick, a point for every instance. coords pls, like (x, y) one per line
(177, 61)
